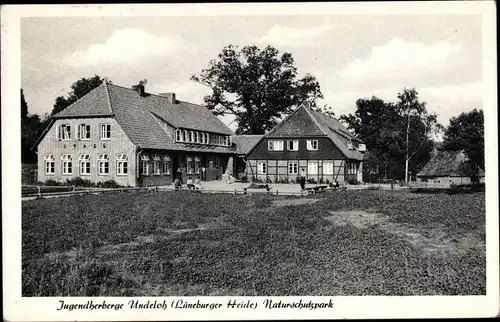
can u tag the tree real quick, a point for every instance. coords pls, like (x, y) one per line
(257, 86)
(395, 133)
(32, 126)
(466, 132)
(78, 89)
(418, 122)
(24, 108)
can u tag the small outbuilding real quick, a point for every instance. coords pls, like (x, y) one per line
(446, 168)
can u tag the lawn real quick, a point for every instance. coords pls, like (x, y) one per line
(182, 243)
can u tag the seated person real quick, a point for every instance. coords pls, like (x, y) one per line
(189, 183)
(177, 184)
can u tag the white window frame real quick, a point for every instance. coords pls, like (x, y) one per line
(64, 132)
(293, 167)
(262, 168)
(184, 135)
(105, 131)
(270, 145)
(207, 139)
(310, 168)
(295, 145)
(178, 135)
(156, 165)
(328, 165)
(84, 161)
(67, 164)
(84, 129)
(166, 165)
(202, 138)
(310, 145)
(50, 164)
(102, 160)
(196, 137)
(121, 165)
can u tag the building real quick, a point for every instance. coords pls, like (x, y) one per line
(445, 168)
(244, 144)
(134, 138)
(310, 141)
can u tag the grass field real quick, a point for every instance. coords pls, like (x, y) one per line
(181, 243)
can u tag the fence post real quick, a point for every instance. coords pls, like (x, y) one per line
(156, 188)
(276, 191)
(235, 191)
(39, 192)
(74, 188)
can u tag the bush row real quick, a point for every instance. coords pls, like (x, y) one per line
(79, 182)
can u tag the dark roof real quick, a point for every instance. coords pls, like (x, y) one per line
(445, 164)
(95, 103)
(317, 123)
(136, 115)
(245, 143)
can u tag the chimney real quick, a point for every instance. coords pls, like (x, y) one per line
(169, 96)
(139, 88)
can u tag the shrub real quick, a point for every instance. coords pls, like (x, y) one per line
(79, 182)
(321, 181)
(257, 180)
(311, 180)
(282, 180)
(244, 179)
(51, 182)
(353, 181)
(109, 184)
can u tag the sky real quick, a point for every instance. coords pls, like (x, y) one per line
(351, 56)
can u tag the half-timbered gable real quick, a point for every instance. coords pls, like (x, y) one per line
(307, 142)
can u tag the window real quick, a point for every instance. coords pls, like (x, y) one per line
(312, 168)
(225, 141)
(328, 167)
(293, 168)
(67, 165)
(122, 165)
(312, 145)
(189, 165)
(103, 164)
(207, 138)
(293, 145)
(178, 136)
(191, 136)
(275, 145)
(85, 164)
(105, 131)
(184, 136)
(229, 142)
(262, 168)
(352, 168)
(166, 165)
(156, 164)
(64, 132)
(84, 132)
(196, 165)
(196, 137)
(50, 163)
(144, 164)
(202, 138)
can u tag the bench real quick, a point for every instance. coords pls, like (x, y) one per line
(314, 190)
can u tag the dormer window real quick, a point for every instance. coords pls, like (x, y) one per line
(207, 139)
(202, 138)
(178, 135)
(184, 136)
(196, 137)
(191, 136)
(312, 145)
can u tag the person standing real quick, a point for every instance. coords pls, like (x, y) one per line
(302, 179)
(203, 174)
(179, 175)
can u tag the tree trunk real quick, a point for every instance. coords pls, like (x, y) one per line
(407, 147)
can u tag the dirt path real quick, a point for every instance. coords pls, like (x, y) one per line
(432, 241)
